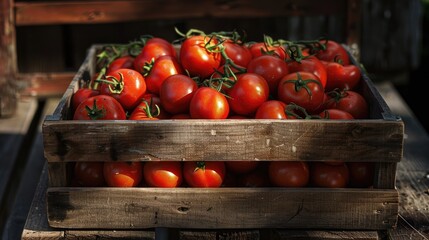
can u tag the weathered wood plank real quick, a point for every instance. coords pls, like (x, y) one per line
(67, 12)
(131, 208)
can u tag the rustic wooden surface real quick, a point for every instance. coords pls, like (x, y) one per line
(13, 138)
(412, 184)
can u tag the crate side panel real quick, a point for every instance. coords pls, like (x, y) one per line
(221, 208)
(179, 140)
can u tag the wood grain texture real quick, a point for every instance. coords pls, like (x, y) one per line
(66, 12)
(227, 208)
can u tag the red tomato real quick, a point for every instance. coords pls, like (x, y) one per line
(289, 174)
(271, 68)
(163, 67)
(335, 114)
(334, 52)
(263, 48)
(208, 103)
(341, 77)
(167, 174)
(154, 99)
(349, 101)
(145, 112)
(361, 174)
(89, 174)
(126, 85)
(176, 93)
(329, 175)
(123, 174)
(121, 62)
(241, 167)
(271, 109)
(237, 53)
(82, 94)
(204, 174)
(153, 48)
(248, 93)
(312, 65)
(100, 107)
(303, 89)
(200, 56)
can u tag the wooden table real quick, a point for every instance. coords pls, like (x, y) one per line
(412, 183)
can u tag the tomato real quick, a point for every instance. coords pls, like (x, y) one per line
(303, 89)
(271, 68)
(153, 48)
(349, 101)
(241, 167)
(121, 62)
(200, 55)
(204, 174)
(271, 109)
(154, 99)
(329, 175)
(208, 103)
(126, 85)
(289, 173)
(248, 93)
(334, 52)
(89, 174)
(335, 114)
(82, 94)
(163, 173)
(341, 77)
(163, 67)
(263, 48)
(145, 112)
(176, 93)
(123, 174)
(361, 174)
(257, 178)
(310, 64)
(237, 53)
(100, 107)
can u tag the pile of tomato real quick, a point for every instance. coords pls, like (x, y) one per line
(221, 76)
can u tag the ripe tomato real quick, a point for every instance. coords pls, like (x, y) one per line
(303, 89)
(204, 174)
(200, 55)
(237, 53)
(289, 174)
(163, 173)
(334, 52)
(329, 175)
(241, 167)
(271, 109)
(163, 67)
(82, 94)
(341, 77)
(361, 174)
(154, 99)
(153, 48)
(208, 103)
(126, 85)
(271, 68)
(310, 64)
(89, 174)
(121, 62)
(123, 174)
(100, 107)
(145, 112)
(349, 101)
(248, 93)
(264, 48)
(176, 93)
(335, 114)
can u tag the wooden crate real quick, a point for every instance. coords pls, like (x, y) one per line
(378, 139)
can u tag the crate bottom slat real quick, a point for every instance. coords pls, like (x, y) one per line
(222, 208)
